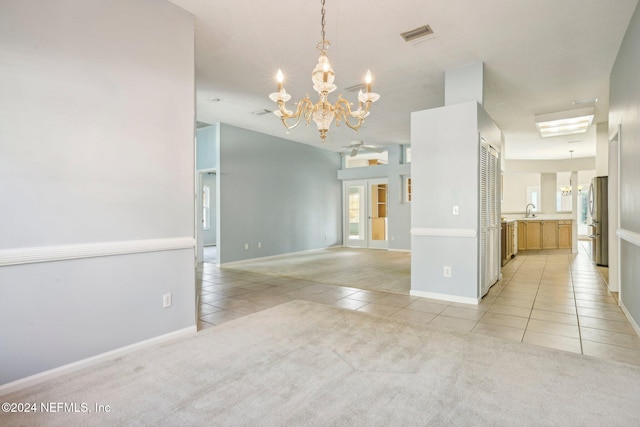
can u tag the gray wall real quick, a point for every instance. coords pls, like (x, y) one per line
(282, 194)
(207, 148)
(96, 154)
(623, 109)
(399, 209)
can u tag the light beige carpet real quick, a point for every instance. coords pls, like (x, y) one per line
(306, 364)
(369, 269)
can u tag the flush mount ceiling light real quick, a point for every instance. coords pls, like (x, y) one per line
(565, 122)
(323, 112)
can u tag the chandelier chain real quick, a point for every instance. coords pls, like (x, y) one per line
(323, 46)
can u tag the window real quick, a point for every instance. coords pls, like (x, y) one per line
(206, 204)
(533, 197)
(407, 154)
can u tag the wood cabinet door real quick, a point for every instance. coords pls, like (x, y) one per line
(565, 238)
(549, 234)
(522, 235)
(534, 235)
(503, 243)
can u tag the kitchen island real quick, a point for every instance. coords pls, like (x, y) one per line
(539, 233)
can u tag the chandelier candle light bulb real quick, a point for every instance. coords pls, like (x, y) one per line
(367, 80)
(280, 79)
(322, 112)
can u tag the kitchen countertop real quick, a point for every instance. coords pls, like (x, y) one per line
(538, 218)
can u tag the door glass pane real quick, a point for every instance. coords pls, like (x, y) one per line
(206, 205)
(356, 212)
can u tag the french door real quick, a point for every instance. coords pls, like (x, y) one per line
(366, 214)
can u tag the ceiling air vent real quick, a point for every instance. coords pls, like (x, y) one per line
(417, 33)
(261, 112)
(355, 88)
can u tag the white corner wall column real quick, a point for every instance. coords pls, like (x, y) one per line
(624, 104)
(445, 207)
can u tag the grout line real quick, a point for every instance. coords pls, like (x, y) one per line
(534, 300)
(573, 288)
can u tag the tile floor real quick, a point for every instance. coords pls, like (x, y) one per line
(551, 300)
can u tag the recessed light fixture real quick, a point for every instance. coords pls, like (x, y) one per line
(565, 122)
(584, 101)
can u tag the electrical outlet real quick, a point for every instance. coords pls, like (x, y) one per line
(447, 271)
(259, 245)
(456, 210)
(246, 246)
(166, 300)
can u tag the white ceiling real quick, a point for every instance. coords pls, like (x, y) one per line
(538, 57)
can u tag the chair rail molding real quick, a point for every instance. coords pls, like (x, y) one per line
(444, 232)
(39, 254)
(629, 236)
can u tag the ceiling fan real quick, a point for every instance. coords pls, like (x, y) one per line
(359, 146)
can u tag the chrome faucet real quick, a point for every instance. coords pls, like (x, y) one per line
(528, 210)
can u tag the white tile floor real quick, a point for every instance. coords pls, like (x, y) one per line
(553, 300)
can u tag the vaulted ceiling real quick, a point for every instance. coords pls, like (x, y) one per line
(538, 57)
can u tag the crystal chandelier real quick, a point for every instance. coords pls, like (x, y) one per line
(322, 112)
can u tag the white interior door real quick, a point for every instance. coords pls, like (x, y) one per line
(365, 214)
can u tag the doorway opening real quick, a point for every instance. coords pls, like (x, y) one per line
(206, 217)
(366, 214)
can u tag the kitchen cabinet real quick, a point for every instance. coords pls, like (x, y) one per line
(549, 234)
(565, 234)
(544, 234)
(508, 241)
(533, 235)
(522, 235)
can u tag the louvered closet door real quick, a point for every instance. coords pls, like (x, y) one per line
(484, 220)
(493, 201)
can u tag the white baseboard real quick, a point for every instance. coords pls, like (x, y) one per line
(94, 360)
(267, 257)
(633, 323)
(445, 297)
(408, 251)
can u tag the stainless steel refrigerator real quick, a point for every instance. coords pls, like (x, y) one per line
(598, 206)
